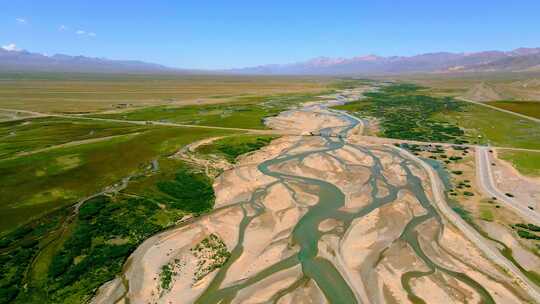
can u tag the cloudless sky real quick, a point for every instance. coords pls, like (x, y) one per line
(224, 34)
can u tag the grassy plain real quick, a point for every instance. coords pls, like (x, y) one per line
(74, 258)
(526, 162)
(26, 136)
(37, 183)
(405, 112)
(495, 127)
(529, 108)
(409, 112)
(232, 147)
(243, 112)
(81, 93)
(53, 252)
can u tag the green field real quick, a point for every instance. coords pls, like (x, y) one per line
(232, 147)
(52, 252)
(496, 128)
(405, 112)
(37, 183)
(29, 135)
(245, 112)
(529, 108)
(526, 162)
(73, 259)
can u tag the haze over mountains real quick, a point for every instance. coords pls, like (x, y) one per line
(24, 61)
(522, 59)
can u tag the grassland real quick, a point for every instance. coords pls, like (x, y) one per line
(232, 147)
(81, 93)
(37, 183)
(405, 113)
(529, 108)
(48, 163)
(68, 261)
(410, 112)
(497, 128)
(244, 112)
(31, 135)
(526, 162)
(52, 252)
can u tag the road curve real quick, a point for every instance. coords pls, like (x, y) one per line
(485, 247)
(487, 184)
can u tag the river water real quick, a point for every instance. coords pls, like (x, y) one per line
(331, 199)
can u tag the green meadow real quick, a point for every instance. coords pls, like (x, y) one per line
(496, 128)
(245, 112)
(30, 135)
(232, 147)
(526, 162)
(41, 182)
(406, 111)
(529, 108)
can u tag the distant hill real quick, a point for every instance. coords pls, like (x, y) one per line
(521, 59)
(518, 60)
(24, 61)
(483, 92)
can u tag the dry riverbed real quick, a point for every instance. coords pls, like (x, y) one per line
(328, 218)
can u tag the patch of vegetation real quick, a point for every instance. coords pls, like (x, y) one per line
(531, 227)
(405, 112)
(527, 235)
(529, 108)
(526, 162)
(486, 214)
(232, 147)
(464, 214)
(212, 253)
(104, 232)
(349, 83)
(165, 277)
(18, 249)
(245, 112)
(188, 191)
(490, 126)
(53, 179)
(40, 133)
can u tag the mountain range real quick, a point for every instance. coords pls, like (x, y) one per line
(24, 61)
(522, 59)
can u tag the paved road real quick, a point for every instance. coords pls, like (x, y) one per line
(498, 109)
(484, 175)
(490, 251)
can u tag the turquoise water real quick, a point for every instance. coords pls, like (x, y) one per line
(306, 234)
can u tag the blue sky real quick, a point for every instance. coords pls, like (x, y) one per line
(224, 34)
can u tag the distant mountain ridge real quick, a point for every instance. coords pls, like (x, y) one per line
(24, 61)
(521, 59)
